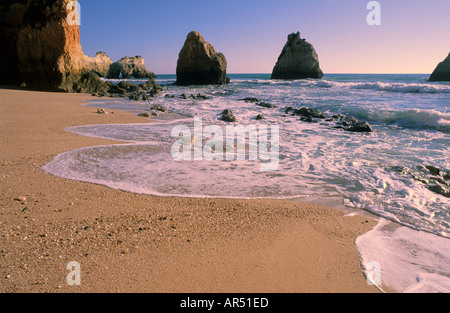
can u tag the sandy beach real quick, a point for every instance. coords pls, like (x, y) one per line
(137, 243)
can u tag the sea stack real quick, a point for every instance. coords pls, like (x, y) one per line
(200, 64)
(298, 60)
(442, 71)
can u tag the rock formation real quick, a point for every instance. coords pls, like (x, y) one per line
(298, 60)
(130, 67)
(200, 64)
(100, 64)
(40, 48)
(442, 71)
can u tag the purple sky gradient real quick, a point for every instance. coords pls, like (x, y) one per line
(413, 36)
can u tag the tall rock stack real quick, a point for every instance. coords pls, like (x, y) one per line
(442, 71)
(298, 60)
(200, 64)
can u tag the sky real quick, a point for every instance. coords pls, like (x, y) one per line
(413, 36)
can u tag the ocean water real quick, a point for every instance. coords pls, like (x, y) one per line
(398, 172)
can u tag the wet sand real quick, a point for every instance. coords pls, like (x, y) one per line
(138, 243)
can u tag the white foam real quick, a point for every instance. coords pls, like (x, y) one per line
(410, 260)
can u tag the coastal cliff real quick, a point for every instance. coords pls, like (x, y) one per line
(41, 49)
(298, 60)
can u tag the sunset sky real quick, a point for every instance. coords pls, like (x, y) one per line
(413, 36)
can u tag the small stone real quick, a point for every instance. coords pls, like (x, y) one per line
(20, 199)
(101, 111)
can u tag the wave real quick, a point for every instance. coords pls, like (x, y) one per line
(380, 86)
(414, 118)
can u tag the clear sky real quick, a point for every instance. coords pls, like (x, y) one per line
(414, 35)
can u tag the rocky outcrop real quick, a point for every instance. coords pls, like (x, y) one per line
(200, 64)
(41, 48)
(442, 72)
(130, 67)
(11, 17)
(298, 60)
(99, 64)
(49, 49)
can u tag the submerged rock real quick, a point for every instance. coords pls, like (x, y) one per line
(347, 123)
(266, 105)
(227, 116)
(442, 72)
(298, 60)
(200, 64)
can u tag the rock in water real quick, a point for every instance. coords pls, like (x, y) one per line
(99, 64)
(200, 64)
(442, 71)
(298, 60)
(128, 67)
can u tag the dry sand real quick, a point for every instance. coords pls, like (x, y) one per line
(138, 243)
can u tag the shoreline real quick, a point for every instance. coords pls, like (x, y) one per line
(138, 243)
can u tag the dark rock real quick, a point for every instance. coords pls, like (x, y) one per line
(437, 188)
(227, 116)
(266, 105)
(144, 115)
(313, 113)
(91, 83)
(298, 60)
(442, 71)
(251, 99)
(200, 64)
(288, 110)
(433, 170)
(260, 117)
(129, 87)
(160, 108)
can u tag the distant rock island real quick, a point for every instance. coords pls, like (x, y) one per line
(442, 71)
(298, 60)
(200, 64)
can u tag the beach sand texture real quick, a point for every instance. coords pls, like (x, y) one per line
(138, 243)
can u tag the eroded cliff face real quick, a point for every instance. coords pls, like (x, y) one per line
(298, 60)
(442, 71)
(43, 50)
(11, 17)
(200, 64)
